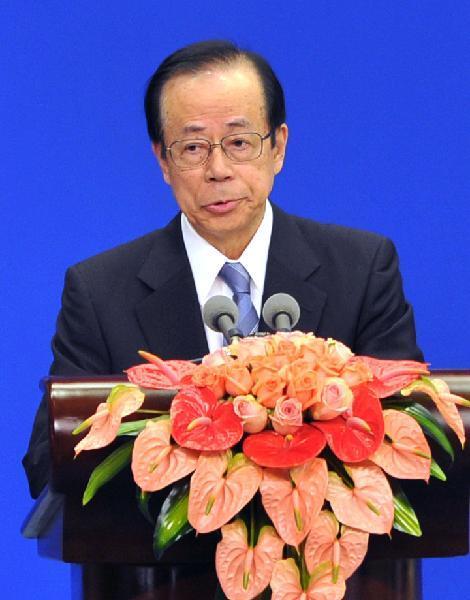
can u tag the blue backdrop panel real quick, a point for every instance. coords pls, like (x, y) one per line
(375, 95)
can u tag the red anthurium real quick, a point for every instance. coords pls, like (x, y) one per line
(354, 436)
(201, 422)
(292, 499)
(271, 449)
(245, 571)
(160, 374)
(344, 546)
(405, 452)
(285, 583)
(368, 505)
(220, 488)
(390, 376)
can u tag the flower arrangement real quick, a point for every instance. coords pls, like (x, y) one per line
(293, 446)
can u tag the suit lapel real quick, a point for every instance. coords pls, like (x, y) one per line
(170, 316)
(292, 266)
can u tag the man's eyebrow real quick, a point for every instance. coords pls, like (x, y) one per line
(241, 122)
(193, 128)
(232, 124)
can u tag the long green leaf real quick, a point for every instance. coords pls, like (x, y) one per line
(172, 522)
(135, 427)
(106, 470)
(427, 421)
(405, 518)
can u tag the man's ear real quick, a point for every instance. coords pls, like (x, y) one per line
(279, 150)
(163, 162)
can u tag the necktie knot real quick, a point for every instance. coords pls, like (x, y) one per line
(238, 280)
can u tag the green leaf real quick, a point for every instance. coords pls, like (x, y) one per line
(135, 427)
(437, 472)
(107, 469)
(405, 518)
(172, 522)
(428, 422)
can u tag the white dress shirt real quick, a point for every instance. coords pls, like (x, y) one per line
(206, 262)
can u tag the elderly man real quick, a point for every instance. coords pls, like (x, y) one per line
(216, 118)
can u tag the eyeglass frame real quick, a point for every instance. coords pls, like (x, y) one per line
(211, 146)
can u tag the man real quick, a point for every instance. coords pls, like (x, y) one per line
(216, 118)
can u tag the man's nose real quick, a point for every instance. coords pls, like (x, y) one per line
(218, 167)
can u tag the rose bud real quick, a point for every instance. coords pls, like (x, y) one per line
(287, 417)
(336, 398)
(253, 414)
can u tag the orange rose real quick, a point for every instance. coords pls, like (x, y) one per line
(269, 389)
(336, 356)
(246, 348)
(210, 377)
(355, 373)
(238, 381)
(304, 387)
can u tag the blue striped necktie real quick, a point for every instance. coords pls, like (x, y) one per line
(238, 280)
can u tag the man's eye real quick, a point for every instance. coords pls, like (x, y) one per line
(193, 148)
(239, 144)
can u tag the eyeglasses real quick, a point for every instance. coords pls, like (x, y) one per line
(238, 147)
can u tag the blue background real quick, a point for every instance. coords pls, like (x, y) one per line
(379, 140)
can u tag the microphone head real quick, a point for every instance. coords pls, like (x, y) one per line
(216, 307)
(280, 304)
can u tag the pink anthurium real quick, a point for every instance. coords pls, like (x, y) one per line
(368, 505)
(272, 449)
(160, 374)
(390, 376)
(220, 487)
(357, 434)
(122, 401)
(201, 422)
(405, 452)
(292, 499)
(445, 402)
(285, 583)
(244, 571)
(344, 546)
(156, 462)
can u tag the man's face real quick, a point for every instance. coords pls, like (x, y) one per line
(223, 200)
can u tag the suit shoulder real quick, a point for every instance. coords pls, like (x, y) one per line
(330, 236)
(129, 254)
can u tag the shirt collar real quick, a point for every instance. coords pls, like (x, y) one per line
(206, 261)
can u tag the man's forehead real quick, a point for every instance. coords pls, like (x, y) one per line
(232, 94)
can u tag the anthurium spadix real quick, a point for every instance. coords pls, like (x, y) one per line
(156, 462)
(121, 402)
(286, 583)
(368, 505)
(405, 452)
(244, 570)
(328, 540)
(221, 486)
(293, 498)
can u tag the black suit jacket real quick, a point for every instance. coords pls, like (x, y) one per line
(142, 296)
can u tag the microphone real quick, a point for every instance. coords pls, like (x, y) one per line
(221, 314)
(281, 312)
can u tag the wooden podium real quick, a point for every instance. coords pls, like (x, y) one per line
(110, 542)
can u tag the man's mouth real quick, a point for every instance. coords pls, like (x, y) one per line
(222, 206)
